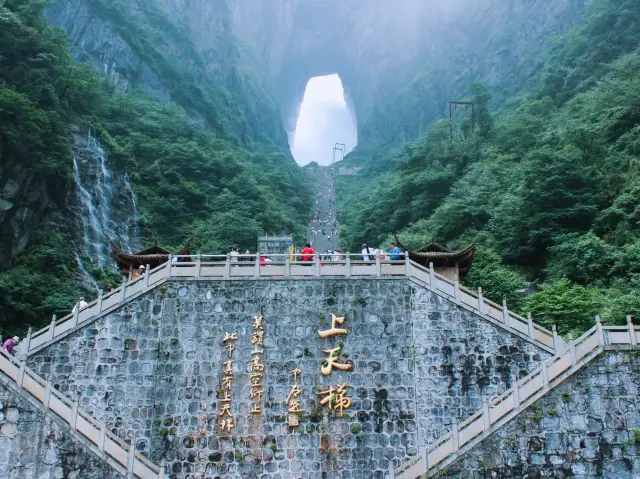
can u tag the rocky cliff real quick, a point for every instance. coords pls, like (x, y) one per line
(399, 62)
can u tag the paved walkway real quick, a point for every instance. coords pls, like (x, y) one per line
(325, 214)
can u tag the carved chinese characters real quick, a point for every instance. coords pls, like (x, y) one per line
(256, 368)
(293, 401)
(225, 419)
(335, 398)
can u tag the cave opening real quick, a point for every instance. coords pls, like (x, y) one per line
(325, 118)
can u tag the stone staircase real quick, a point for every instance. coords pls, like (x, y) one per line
(494, 414)
(219, 267)
(87, 430)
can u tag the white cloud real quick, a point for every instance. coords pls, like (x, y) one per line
(323, 121)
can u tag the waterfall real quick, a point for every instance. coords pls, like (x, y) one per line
(86, 276)
(103, 202)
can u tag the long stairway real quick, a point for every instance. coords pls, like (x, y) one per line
(524, 393)
(90, 432)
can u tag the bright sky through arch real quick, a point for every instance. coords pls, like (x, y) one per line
(323, 121)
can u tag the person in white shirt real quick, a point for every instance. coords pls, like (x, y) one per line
(80, 304)
(366, 252)
(234, 255)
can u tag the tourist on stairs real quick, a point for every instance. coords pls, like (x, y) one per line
(395, 252)
(307, 253)
(10, 345)
(81, 304)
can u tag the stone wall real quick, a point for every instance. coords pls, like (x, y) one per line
(35, 446)
(460, 359)
(153, 369)
(588, 427)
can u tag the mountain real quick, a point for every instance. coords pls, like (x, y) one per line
(190, 104)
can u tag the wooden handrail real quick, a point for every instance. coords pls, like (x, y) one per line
(67, 410)
(439, 453)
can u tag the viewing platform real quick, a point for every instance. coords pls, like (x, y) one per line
(281, 267)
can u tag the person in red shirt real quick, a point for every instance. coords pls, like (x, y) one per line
(307, 253)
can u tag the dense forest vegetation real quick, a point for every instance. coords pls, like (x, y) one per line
(548, 184)
(223, 179)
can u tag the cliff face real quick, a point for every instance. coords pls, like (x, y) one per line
(24, 199)
(399, 61)
(241, 66)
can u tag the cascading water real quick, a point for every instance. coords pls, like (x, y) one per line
(103, 202)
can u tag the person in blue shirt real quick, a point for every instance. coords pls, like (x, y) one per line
(395, 252)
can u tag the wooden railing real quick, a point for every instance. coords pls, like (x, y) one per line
(115, 450)
(285, 266)
(523, 393)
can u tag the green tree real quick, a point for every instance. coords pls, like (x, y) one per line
(570, 307)
(496, 280)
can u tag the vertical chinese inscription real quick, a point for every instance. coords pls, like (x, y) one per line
(294, 406)
(256, 370)
(225, 418)
(335, 397)
(293, 401)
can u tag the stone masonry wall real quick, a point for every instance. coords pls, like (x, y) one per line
(153, 372)
(459, 360)
(34, 446)
(588, 427)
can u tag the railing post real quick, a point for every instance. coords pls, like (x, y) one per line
(486, 420)
(378, 266)
(316, 259)
(198, 264)
(147, 276)
(455, 439)
(47, 395)
(516, 395)
(505, 312)
(227, 268)
(123, 290)
(287, 266)
(456, 290)
(544, 373)
(103, 437)
(132, 456)
(600, 332)
(556, 338)
(432, 276)
(73, 420)
(52, 328)
(632, 331)
(407, 264)
(76, 314)
(348, 265)
(424, 459)
(100, 293)
(530, 326)
(480, 302)
(27, 343)
(169, 263)
(256, 272)
(572, 349)
(163, 464)
(20, 378)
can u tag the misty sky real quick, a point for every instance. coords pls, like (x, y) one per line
(324, 120)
